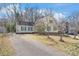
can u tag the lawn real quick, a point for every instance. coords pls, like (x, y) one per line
(69, 46)
(6, 48)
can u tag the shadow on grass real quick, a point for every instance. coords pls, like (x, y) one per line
(75, 38)
(51, 39)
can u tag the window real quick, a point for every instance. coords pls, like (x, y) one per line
(54, 28)
(48, 28)
(23, 28)
(30, 29)
(26, 28)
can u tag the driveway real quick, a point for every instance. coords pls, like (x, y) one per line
(29, 47)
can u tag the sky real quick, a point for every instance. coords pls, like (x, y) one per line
(61, 9)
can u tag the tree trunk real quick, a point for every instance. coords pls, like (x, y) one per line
(75, 36)
(61, 37)
(48, 35)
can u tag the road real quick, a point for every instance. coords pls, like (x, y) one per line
(29, 47)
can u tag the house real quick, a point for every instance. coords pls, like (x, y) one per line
(29, 27)
(50, 23)
(72, 28)
(24, 27)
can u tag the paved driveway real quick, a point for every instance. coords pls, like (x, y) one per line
(29, 47)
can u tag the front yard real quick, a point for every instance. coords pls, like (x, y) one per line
(6, 48)
(69, 46)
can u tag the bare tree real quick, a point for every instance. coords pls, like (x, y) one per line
(40, 26)
(48, 14)
(61, 31)
(74, 23)
(13, 15)
(31, 14)
(62, 28)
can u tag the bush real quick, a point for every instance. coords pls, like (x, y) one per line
(10, 27)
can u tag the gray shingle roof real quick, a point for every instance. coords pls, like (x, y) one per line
(26, 23)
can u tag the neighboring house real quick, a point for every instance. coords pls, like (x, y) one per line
(2, 28)
(29, 27)
(72, 29)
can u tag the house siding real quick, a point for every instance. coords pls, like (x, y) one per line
(51, 30)
(18, 29)
(25, 30)
(31, 24)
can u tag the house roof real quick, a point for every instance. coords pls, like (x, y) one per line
(49, 19)
(26, 23)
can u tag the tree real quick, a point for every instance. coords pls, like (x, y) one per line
(66, 27)
(74, 23)
(40, 26)
(48, 14)
(61, 28)
(13, 16)
(31, 14)
(61, 31)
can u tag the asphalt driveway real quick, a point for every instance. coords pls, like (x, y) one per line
(29, 47)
